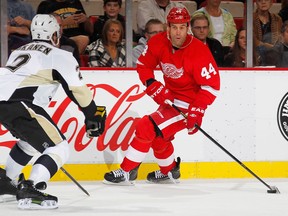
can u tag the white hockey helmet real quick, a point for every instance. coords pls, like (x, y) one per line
(43, 27)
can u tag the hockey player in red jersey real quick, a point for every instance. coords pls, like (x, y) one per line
(191, 82)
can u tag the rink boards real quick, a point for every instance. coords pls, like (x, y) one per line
(248, 118)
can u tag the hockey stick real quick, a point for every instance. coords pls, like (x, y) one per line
(272, 189)
(74, 180)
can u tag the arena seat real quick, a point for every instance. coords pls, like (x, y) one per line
(234, 7)
(84, 58)
(190, 5)
(95, 8)
(239, 22)
(93, 18)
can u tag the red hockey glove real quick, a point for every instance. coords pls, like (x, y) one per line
(159, 93)
(96, 125)
(195, 114)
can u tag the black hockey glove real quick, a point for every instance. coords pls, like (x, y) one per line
(96, 125)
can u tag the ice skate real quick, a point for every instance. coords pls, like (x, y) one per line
(41, 186)
(29, 197)
(8, 190)
(158, 177)
(120, 177)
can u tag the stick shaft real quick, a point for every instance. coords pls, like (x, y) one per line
(232, 156)
(74, 180)
(220, 146)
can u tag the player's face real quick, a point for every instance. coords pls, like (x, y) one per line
(178, 33)
(242, 39)
(200, 29)
(112, 9)
(114, 33)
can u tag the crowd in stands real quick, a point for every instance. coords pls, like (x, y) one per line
(76, 25)
(200, 26)
(109, 50)
(18, 26)
(152, 27)
(100, 39)
(222, 26)
(237, 55)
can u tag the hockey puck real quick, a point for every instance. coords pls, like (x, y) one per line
(273, 189)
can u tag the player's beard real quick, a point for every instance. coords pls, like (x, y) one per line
(178, 42)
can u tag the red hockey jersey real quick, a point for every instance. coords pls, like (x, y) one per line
(190, 72)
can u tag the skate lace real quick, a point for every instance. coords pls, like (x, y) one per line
(37, 191)
(159, 174)
(118, 173)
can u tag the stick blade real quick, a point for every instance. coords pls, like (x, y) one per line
(273, 189)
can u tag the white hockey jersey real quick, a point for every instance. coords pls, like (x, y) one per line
(34, 72)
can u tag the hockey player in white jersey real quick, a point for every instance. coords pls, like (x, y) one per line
(27, 83)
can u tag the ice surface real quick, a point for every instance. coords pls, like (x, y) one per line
(233, 197)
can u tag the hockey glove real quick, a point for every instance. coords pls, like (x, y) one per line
(159, 93)
(195, 114)
(96, 125)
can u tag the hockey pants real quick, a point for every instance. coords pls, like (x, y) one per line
(155, 131)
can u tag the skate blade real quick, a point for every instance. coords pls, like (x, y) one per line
(28, 203)
(124, 183)
(166, 181)
(7, 198)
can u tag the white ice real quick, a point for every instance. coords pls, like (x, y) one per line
(233, 197)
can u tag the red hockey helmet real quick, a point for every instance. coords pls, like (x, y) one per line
(178, 15)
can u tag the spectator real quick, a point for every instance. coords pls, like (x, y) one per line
(152, 27)
(237, 56)
(153, 9)
(20, 15)
(111, 11)
(222, 25)
(271, 58)
(109, 51)
(76, 25)
(266, 26)
(283, 13)
(200, 30)
(282, 46)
